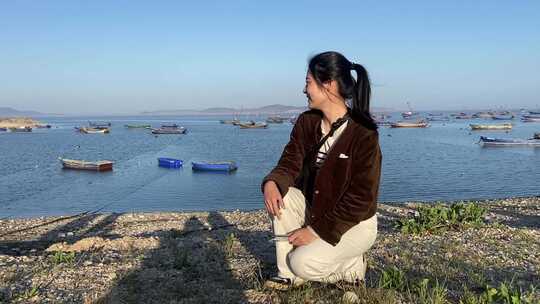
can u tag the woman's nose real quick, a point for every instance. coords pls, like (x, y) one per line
(304, 90)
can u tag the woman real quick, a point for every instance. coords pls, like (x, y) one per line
(322, 195)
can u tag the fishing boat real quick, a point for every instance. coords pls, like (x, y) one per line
(224, 166)
(406, 124)
(166, 130)
(21, 129)
(229, 121)
(86, 130)
(102, 165)
(503, 117)
(167, 162)
(43, 126)
(530, 115)
(530, 119)
(170, 126)
(275, 119)
(503, 142)
(99, 124)
(3, 129)
(138, 126)
(383, 122)
(484, 115)
(258, 125)
(505, 126)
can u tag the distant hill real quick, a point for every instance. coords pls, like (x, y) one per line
(265, 110)
(5, 112)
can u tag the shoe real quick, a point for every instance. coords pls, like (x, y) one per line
(282, 284)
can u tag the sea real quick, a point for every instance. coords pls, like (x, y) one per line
(443, 162)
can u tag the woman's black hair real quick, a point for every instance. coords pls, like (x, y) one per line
(334, 66)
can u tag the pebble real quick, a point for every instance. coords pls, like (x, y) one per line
(350, 297)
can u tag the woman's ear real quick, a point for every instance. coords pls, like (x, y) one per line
(331, 85)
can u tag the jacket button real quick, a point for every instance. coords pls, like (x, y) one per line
(316, 191)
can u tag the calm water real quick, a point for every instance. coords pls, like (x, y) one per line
(442, 162)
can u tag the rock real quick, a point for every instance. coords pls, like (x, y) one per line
(350, 297)
(61, 235)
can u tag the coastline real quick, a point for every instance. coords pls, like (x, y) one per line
(18, 122)
(219, 257)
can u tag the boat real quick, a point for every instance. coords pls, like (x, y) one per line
(406, 124)
(3, 129)
(293, 119)
(408, 114)
(21, 129)
(258, 125)
(530, 116)
(43, 126)
(503, 142)
(167, 162)
(99, 124)
(484, 115)
(230, 121)
(534, 112)
(536, 135)
(224, 166)
(102, 165)
(530, 119)
(505, 126)
(503, 117)
(383, 122)
(438, 118)
(171, 126)
(138, 126)
(86, 130)
(275, 119)
(166, 130)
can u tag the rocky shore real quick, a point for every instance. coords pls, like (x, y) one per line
(223, 257)
(18, 122)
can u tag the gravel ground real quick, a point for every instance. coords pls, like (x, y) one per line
(223, 257)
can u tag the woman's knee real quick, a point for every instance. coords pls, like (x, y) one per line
(308, 267)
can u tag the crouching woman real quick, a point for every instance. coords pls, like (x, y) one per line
(322, 195)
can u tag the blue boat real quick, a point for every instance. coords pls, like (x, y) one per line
(225, 166)
(166, 162)
(3, 129)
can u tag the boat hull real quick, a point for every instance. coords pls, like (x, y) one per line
(218, 167)
(490, 127)
(86, 165)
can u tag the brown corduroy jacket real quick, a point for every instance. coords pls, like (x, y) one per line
(347, 184)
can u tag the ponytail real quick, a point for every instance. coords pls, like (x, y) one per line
(360, 97)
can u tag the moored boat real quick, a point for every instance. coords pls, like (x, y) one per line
(406, 124)
(21, 129)
(503, 117)
(99, 124)
(224, 166)
(536, 135)
(506, 142)
(505, 126)
(275, 119)
(530, 119)
(167, 162)
(165, 130)
(3, 129)
(86, 130)
(258, 125)
(138, 126)
(102, 165)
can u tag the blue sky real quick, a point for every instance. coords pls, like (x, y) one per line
(87, 57)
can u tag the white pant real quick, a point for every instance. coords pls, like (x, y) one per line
(319, 260)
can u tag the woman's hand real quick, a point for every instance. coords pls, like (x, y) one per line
(301, 237)
(272, 199)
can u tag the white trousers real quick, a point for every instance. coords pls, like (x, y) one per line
(319, 260)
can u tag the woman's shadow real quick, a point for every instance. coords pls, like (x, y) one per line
(195, 265)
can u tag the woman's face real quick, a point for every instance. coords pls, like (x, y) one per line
(315, 94)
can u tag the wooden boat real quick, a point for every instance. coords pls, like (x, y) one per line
(138, 126)
(505, 126)
(259, 125)
(163, 130)
(21, 129)
(225, 166)
(102, 165)
(406, 124)
(167, 162)
(502, 142)
(86, 130)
